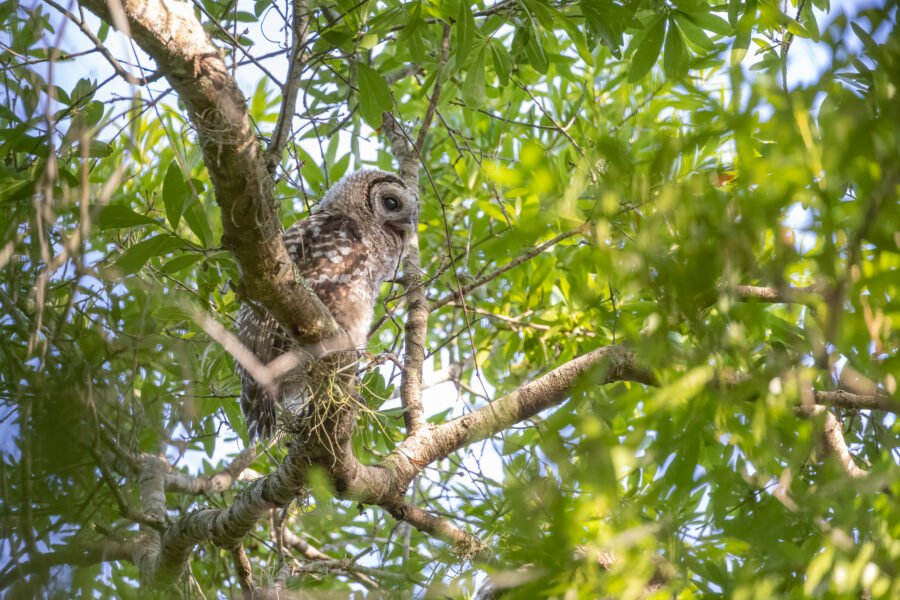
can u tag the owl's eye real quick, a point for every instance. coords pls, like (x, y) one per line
(390, 203)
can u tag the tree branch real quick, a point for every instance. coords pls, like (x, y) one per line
(177, 481)
(171, 34)
(833, 438)
(805, 295)
(76, 554)
(416, 327)
(857, 401)
(618, 364)
(243, 570)
(103, 50)
(466, 545)
(300, 27)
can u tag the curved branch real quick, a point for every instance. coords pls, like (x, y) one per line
(218, 482)
(171, 34)
(80, 555)
(617, 363)
(466, 545)
(833, 439)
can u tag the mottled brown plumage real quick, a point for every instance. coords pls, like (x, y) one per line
(344, 250)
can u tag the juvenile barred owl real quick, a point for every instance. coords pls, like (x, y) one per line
(344, 250)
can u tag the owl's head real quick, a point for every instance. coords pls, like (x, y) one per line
(378, 198)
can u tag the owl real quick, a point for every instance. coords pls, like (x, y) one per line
(344, 251)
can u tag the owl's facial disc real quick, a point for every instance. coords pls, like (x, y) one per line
(396, 208)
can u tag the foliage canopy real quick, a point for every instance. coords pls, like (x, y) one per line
(637, 165)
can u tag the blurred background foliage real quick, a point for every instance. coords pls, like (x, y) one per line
(678, 149)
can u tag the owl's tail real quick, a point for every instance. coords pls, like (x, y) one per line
(259, 407)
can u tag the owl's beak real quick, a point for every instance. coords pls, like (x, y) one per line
(404, 229)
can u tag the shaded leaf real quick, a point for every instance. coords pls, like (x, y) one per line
(645, 56)
(374, 95)
(136, 256)
(175, 194)
(116, 216)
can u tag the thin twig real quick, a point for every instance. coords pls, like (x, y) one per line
(436, 94)
(300, 27)
(524, 257)
(101, 47)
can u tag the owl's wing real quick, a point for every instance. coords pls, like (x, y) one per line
(260, 333)
(312, 243)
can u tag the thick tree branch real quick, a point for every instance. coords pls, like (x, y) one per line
(243, 570)
(171, 34)
(617, 363)
(148, 555)
(857, 401)
(808, 295)
(177, 481)
(833, 438)
(76, 554)
(162, 558)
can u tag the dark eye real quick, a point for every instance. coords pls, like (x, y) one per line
(390, 203)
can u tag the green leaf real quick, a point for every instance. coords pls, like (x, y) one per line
(339, 167)
(502, 62)
(83, 91)
(116, 216)
(98, 149)
(180, 263)
(734, 9)
(12, 187)
(393, 412)
(744, 29)
(675, 60)
(136, 256)
(605, 22)
(693, 33)
(645, 56)
(172, 313)
(818, 567)
(473, 86)
(578, 38)
(710, 22)
(863, 35)
(537, 57)
(195, 216)
(411, 36)
(416, 47)
(175, 194)
(465, 33)
(374, 95)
